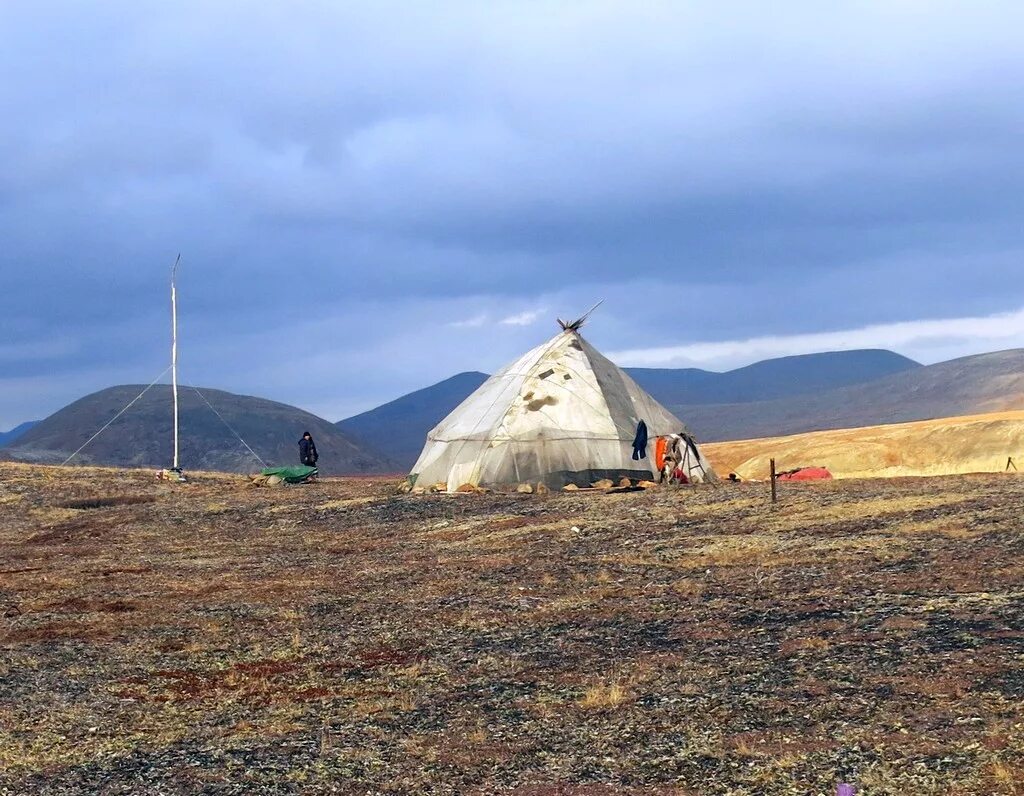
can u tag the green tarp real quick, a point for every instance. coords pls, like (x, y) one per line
(292, 475)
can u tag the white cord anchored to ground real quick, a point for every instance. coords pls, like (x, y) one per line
(228, 425)
(107, 425)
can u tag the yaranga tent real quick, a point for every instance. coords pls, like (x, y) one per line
(560, 414)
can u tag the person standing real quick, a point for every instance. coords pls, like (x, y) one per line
(307, 450)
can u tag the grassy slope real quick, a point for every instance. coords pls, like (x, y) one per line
(971, 444)
(337, 639)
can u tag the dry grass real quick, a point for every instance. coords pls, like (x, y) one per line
(338, 638)
(943, 446)
(610, 696)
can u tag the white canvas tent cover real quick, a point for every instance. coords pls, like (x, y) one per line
(561, 413)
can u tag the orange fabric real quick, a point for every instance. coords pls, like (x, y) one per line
(659, 452)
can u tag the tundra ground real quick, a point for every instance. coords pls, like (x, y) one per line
(340, 638)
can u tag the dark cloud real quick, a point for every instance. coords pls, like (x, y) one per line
(370, 175)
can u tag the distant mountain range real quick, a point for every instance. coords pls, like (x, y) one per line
(142, 436)
(771, 398)
(8, 437)
(400, 427)
(771, 378)
(969, 385)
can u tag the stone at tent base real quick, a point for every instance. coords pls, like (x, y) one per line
(542, 488)
(260, 480)
(570, 488)
(526, 489)
(646, 484)
(625, 482)
(405, 488)
(469, 488)
(418, 490)
(440, 486)
(604, 483)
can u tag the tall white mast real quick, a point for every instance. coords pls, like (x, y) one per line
(174, 354)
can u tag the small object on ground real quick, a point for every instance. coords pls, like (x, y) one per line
(805, 474)
(418, 490)
(274, 480)
(300, 474)
(625, 482)
(646, 484)
(570, 488)
(405, 487)
(542, 488)
(734, 478)
(440, 486)
(845, 789)
(470, 488)
(604, 483)
(526, 489)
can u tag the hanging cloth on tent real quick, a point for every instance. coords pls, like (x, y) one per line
(640, 442)
(660, 444)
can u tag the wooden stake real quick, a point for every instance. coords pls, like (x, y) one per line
(1009, 464)
(774, 493)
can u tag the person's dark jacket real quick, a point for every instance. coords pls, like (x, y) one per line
(307, 452)
(640, 441)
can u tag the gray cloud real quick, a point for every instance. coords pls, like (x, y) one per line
(376, 174)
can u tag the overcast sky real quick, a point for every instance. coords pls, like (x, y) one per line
(371, 197)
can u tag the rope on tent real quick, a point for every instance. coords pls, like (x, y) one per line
(125, 409)
(229, 428)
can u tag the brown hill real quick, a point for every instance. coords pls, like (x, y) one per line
(975, 443)
(969, 385)
(142, 436)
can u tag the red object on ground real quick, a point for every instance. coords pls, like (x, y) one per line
(806, 474)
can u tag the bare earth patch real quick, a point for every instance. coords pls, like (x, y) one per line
(339, 638)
